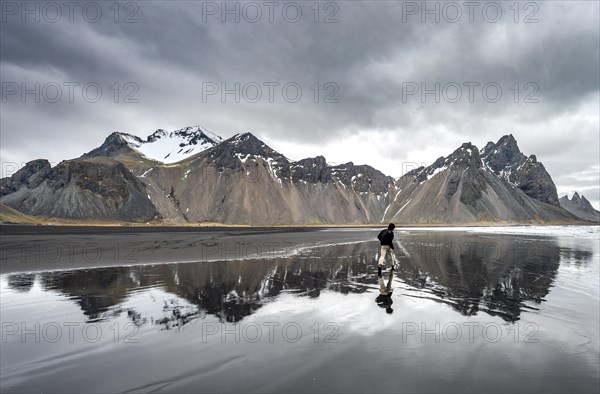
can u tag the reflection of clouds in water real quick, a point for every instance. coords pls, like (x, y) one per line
(359, 314)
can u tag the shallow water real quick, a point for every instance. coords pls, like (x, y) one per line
(471, 310)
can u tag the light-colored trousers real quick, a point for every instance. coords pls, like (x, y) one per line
(383, 288)
(385, 251)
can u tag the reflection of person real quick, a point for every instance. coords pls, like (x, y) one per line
(384, 299)
(386, 237)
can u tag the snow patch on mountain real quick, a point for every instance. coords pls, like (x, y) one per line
(174, 146)
(437, 171)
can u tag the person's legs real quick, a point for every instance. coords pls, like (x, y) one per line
(382, 254)
(390, 256)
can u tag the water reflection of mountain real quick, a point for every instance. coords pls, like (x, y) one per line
(494, 275)
(95, 290)
(500, 276)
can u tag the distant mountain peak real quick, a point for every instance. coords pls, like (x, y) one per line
(121, 136)
(507, 138)
(311, 161)
(507, 161)
(579, 206)
(248, 145)
(465, 152)
(503, 153)
(158, 134)
(246, 138)
(237, 151)
(115, 144)
(161, 145)
(533, 158)
(487, 147)
(465, 156)
(509, 143)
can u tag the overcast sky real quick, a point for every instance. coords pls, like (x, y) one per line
(361, 67)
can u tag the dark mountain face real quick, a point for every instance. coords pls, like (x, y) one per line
(311, 170)
(507, 161)
(503, 154)
(235, 152)
(360, 178)
(29, 176)
(114, 145)
(93, 188)
(363, 178)
(465, 174)
(580, 207)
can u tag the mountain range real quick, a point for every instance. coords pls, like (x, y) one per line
(192, 175)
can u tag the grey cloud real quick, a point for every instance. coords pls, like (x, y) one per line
(368, 54)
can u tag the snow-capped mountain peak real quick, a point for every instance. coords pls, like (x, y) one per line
(173, 146)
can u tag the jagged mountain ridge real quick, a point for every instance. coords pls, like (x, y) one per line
(243, 180)
(466, 187)
(580, 207)
(507, 161)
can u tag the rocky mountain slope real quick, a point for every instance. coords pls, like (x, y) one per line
(580, 207)
(499, 184)
(242, 180)
(88, 188)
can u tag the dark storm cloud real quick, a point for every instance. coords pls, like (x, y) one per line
(371, 55)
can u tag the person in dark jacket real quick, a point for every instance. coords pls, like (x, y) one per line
(386, 237)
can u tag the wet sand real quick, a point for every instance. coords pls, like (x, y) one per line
(33, 248)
